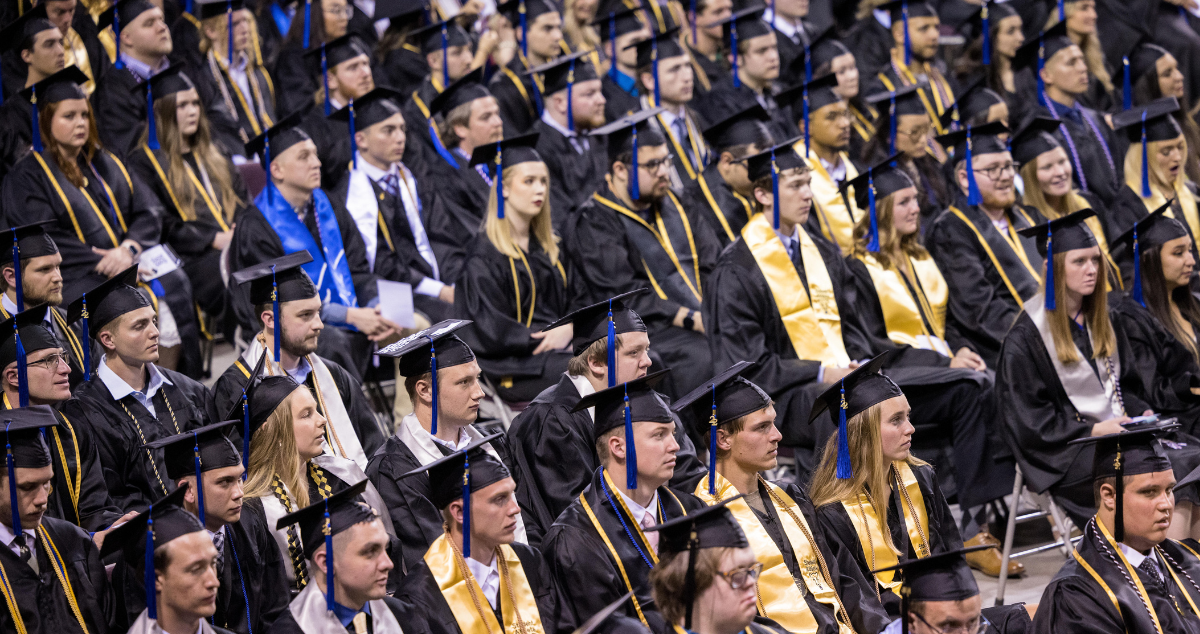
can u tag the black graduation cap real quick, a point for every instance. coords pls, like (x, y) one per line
(29, 241)
(1035, 139)
(511, 151)
(742, 25)
(399, 10)
(562, 74)
(904, 100)
(464, 90)
(361, 113)
(279, 280)
(976, 99)
(1147, 123)
(332, 53)
(1060, 235)
(522, 13)
(61, 86)
(1135, 451)
(659, 46)
(596, 620)
(107, 301)
(823, 48)
(622, 138)
(772, 162)
(727, 397)
(608, 318)
(874, 183)
(971, 142)
(1034, 53)
(196, 451)
(432, 349)
(461, 473)
(25, 447)
(1140, 61)
(20, 335)
(1149, 233)
(860, 389)
(165, 83)
(274, 141)
(979, 24)
(612, 22)
(163, 522)
(263, 396)
(710, 527)
(942, 576)
(319, 523)
(810, 97)
(18, 34)
(218, 7)
(625, 404)
(747, 126)
(120, 13)
(441, 36)
(901, 11)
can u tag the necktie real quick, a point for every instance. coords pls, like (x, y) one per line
(390, 184)
(360, 623)
(578, 143)
(679, 126)
(1150, 572)
(25, 553)
(218, 540)
(652, 537)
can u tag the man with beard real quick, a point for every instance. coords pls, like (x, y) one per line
(912, 61)
(347, 77)
(990, 269)
(666, 78)
(294, 332)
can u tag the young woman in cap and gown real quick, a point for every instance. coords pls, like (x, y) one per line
(194, 183)
(515, 280)
(1153, 74)
(1065, 373)
(313, 25)
(243, 84)
(830, 55)
(994, 67)
(913, 129)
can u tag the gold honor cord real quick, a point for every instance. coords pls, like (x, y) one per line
(1131, 574)
(837, 210)
(60, 572)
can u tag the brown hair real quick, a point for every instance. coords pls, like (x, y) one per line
(889, 240)
(1159, 300)
(602, 452)
(410, 384)
(273, 453)
(764, 184)
(68, 166)
(598, 352)
(669, 577)
(1095, 309)
(460, 115)
(317, 37)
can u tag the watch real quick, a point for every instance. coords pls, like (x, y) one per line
(132, 250)
(689, 321)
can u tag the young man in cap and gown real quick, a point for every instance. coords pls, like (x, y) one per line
(345, 64)
(445, 49)
(38, 45)
(552, 443)
(635, 233)
(913, 59)
(597, 549)
(619, 27)
(538, 26)
(666, 79)
(130, 401)
(475, 576)
(42, 591)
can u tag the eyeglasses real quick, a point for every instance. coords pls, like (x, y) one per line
(344, 11)
(997, 171)
(975, 626)
(739, 578)
(916, 134)
(657, 164)
(50, 362)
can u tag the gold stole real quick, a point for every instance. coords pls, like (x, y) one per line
(934, 108)
(902, 311)
(462, 593)
(837, 219)
(76, 55)
(814, 327)
(877, 545)
(1187, 203)
(780, 595)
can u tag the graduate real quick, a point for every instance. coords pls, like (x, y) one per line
(289, 339)
(597, 549)
(994, 69)
(443, 66)
(516, 279)
(346, 75)
(253, 582)
(193, 182)
(43, 382)
(990, 269)
(1099, 51)
(620, 27)
(912, 60)
(794, 36)
(243, 84)
(390, 204)
(82, 45)
(475, 576)
(830, 55)
(573, 106)
(615, 249)
(1125, 549)
(539, 40)
(129, 400)
(311, 27)
(902, 126)
(39, 54)
(722, 193)
(349, 532)
(1064, 373)
(44, 594)
(801, 585)
(293, 214)
(432, 431)
(666, 79)
(1153, 74)
(755, 68)
(705, 42)
(404, 66)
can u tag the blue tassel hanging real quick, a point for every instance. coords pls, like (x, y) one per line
(441, 149)
(307, 22)
(570, 97)
(151, 127)
(612, 40)
(328, 559)
(907, 38)
(33, 118)
(22, 369)
(807, 64)
(612, 348)
(445, 57)
(654, 69)
(1145, 161)
(1126, 85)
(733, 50)
(188, 7)
(245, 435)
(774, 191)
(1137, 270)
(525, 34)
(148, 578)
(87, 348)
(325, 80)
(278, 327)
(1051, 304)
(16, 260)
(806, 133)
(987, 35)
(353, 141)
(466, 506)
(434, 378)
(974, 197)
(631, 471)
(892, 125)
(12, 482)
(1062, 10)
(712, 445)
(228, 29)
(199, 476)
(692, 12)
(873, 243)
(845, 470)
(498, 175)
(635, 192)
(1041, 65)
(116, 29)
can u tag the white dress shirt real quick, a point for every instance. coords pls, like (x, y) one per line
(488, 578)
(429, 286)
(640, 512)
(120, 389)
(237, 72)
(9, 539)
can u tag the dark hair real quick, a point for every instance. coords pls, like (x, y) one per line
(669, 577)
(647, 138)
(458, 115)
(295, 34)
(1158, 302)
(764, 184)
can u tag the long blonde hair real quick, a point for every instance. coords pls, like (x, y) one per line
(581, 36)
(1090, 45)
(499, 230)
(1035, 197)
(871, 471)
(889, 239)
(1095, 310)
(273, 453)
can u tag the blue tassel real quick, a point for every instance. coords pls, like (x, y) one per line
(199, 476)
(188, 7)
(466, 506)
(245, 435)
(228, 27)
(325, 79)
(328, 559)
(1145, 161)
(87, 347)
(774, 191)
(974, 197)
(22, 369)
(635, 192)
(1041, 65)
(1126, 85)
(12, 481)
(1062, 10)
(873, 243)
(806, 133)
(116, 28)
(267, 166)
(33, 118)
(278, 328)
(525, 34)
(498, 175)
(845, 470)
(987, 35)
(612, 348)
(445, 57)
(612, 55)
(307, 23)
(733, 50)
(570, 97)
(148, 577)
(16, 259)
(807, 64)
(631, 471)
(1137, 270)
(712, 445)
(152, 127)
(892, 125)
(1051, 304)
(353, 141)
(907, 38)
(654, 69)
(692, 11)
(441, 149)
(433, 377)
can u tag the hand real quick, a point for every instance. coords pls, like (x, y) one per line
(966, 358)
(98, 538)
(446, 294)
(833, 375)
(222, 239)
(698, 322)
(471, 8)
(1190, 5)
(371, 323)
(487, 44)
(113, 261)
(1110, 426)
(556, 339)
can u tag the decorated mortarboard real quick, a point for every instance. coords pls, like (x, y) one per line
(432, 349)
(809, 98)
(330, 54)
(20, 335)
(165, 83)
(220, 8)
(1060, 235)
(375, 106)
(973, 141)
(1147, 234)
(320, 522)
(726, 397)
(1035, 139)
(274, 141)
(119, 14)
(1034, 53)
(440, 36)
(657, 47)
(1135, 451)
(623, 405)
(461, 473)
(741, 26)
(772, 162)
(29, 241)
(901, 11)
(710, 527)
(626, 135)
(874, 184)
(1146, 124)
(162, 523)
(747, 126)
(905, 100)
(606, 319)
(61, 86)
(511, 151)
(194, 452)
(562, 74)
(522, 13)
(463, 90)
(278, 281)
(107, 301)
(862, 388)
(1140, 61)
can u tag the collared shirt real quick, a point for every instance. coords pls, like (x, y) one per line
(464, 439)
(1070, 112)
(120, 389)
(640, 512)
(792, 31)
(9, 539)
(584, 387)
(429, 286)
(836, 172)
(792, 242)
(1135, 558)
(580, 143)
(237, 72)
(10, 307)
(488, 578)
(300, 372)
(346, 615)
(142, 70)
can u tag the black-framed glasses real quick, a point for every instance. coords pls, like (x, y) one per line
(657, 164)
(50, 362)
(996, 172)
(974, 626)
(739, 578)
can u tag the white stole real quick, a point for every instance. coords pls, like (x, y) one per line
(314, 616)
(1094, 397)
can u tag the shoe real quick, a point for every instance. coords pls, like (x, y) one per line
(988, 561)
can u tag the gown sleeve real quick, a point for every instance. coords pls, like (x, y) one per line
(584, 572)
(96, 509)
(370, 436)
(1071, 605)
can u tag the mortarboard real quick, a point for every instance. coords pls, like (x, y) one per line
(522, 13)
(727, 397)
(1034, 53)
(278, 281)
(332, 53)
(626, 134)
(373, 107)
(29, 241)
(1035, 139)
(625, 404)
(1148, 123)
(166, 82)
(209, 10)
(710, 527)
(440, 36)
(274, 141)
(319, 523)
(974, 100)
(418, 354)
(772, 162)
(120, 13)
(1135, 451)
(196, 451)
(824, 48)
(811, 96)
(461, 473)
(658, 46)
(742, 25)
(902, 101)
(241, 411)
(860, 389)
(65, 84)
(562, 74)
(263, 396)
(107, 301)
(747, 126)
(20, 335)
(874, 183)
(1141, 60)
(901, 11)
(939, 577)
(511, 151)
(1060, 235)
(1149, 233)
(612, 23)
(979, 24)
(973, 141)
(19, 34)
(608, 318)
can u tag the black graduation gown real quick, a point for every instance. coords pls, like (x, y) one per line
(618, 102)
(735, 209)
(518, 97)
(420, 588)
(981, 306)
(872, 46)
(1167, 368)
(405, 68)
(1101, 158)
(332, 139)
(782, 126)
(254, 112)
(554, 455)
(789, 50)
(410, 617)
(252, 569)
(942, 533)
(270, 38)
(581, 562)
(133, 481)
(464, 193)
(930, 94)
(41, 599)
(420, 154)
(15, 132)
(295, 79)
(713, 70)
(574, 176)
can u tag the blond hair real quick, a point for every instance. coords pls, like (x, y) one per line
(273, 453)
(1090, 45)
(1036, 198)
(499, 230)
(1095, 309)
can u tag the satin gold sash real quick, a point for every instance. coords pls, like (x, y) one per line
(903, 310)
(876, 545)
(462, 593)
(839, 218)
(814, 328)
(780, 595)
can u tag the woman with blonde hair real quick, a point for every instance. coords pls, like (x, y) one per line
(514, 281)
(1154, 73)
(242, 83)
(578, 30)
(1081, 28)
